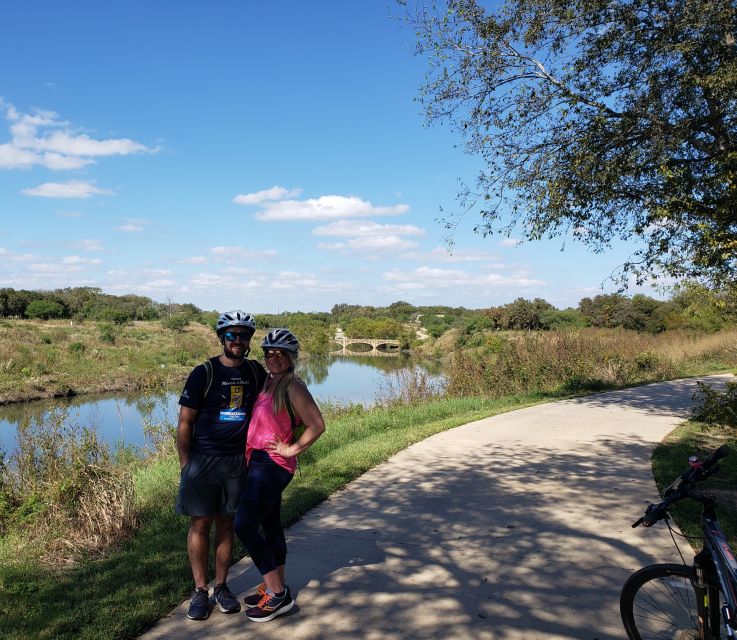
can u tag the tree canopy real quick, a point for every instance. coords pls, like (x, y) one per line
(596, 120)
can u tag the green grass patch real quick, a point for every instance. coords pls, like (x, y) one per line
(124, 593)
(670, 459)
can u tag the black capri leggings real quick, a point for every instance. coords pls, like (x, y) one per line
(260, 506)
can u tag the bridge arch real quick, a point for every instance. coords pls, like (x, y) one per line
(377, 346)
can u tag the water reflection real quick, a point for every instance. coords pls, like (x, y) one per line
(119, 418)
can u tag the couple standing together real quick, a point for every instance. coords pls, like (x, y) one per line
(238, 452)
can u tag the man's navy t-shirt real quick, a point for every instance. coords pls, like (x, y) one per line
(222, 423)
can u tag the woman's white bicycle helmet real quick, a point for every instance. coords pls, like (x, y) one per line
(281, 339)
(235, 319)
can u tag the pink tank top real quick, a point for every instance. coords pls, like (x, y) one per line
(265, 425)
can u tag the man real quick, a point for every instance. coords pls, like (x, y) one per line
(211, 439)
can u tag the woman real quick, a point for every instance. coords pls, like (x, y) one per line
(271, 455)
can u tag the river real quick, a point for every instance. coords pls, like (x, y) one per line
(120, 417)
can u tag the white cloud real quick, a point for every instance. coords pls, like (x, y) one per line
(87, 245)
(71, 189)
(298, 281)
(456, 279)
(442, 254)
(62, 142)
(275, 193)
(58, 162)
(80, 260)
(11, 256)
(205, 281)
(12, 157)
(53, 268)
(43, 139)
(372, 245)
(250, 282)
(159, 284)
(193, 260)
(326, 208)
(132, 225)
(510, 242)
(238, 254)
(363, 228)
(123, 273)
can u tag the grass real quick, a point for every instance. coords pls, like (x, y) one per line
(670, 459)
(43, 359)
(124, 593)
(585, 360)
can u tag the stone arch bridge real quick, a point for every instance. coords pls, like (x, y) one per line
(378, 347)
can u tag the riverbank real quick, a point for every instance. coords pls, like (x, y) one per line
(46, 359)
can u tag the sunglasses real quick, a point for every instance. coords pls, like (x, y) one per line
(274, 353)
(230, 336)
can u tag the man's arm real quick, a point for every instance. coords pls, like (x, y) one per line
(185, 427)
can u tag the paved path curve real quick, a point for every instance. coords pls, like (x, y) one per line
(513, 527)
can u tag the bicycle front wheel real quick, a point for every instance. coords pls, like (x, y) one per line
(659, 603)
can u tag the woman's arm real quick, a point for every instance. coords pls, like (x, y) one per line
(305, 407)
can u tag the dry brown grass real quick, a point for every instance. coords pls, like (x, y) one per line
(105, 516)
(64, 493)
(587, 359)
(408, 386)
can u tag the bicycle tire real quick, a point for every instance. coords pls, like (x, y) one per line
(659, 603)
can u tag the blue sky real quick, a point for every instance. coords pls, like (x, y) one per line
(240, 154)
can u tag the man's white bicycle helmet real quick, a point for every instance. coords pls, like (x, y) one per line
(235, 319)
(281, 339)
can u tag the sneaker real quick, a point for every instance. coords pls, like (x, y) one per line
(270, 606)
(199, 607)
(224, 599)
(255, 598)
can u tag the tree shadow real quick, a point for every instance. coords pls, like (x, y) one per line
(516, 526)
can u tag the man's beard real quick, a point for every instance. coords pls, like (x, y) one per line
(233, 356)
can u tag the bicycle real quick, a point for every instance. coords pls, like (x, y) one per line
(682, 602)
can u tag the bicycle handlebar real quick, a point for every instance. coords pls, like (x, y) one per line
(681, 487)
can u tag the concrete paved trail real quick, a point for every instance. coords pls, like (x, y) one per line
(513, 527)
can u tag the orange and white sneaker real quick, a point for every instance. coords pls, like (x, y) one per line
(271, 606)
(255, 598)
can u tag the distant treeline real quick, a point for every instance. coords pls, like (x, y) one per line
(691, 307)
(87, 303)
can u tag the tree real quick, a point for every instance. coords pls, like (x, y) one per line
(44, 309)
(556, 319)
(645, 314)
(605, 310)
(526, 314)
(596, 120)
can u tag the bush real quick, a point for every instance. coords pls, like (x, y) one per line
(176, 322)
(44, 310)
(107, 332)
(77, 348)
(716, 407)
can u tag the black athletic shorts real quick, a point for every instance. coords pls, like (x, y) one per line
(211, 485)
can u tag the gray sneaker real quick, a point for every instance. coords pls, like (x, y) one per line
(225, 600)
(199, 607)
